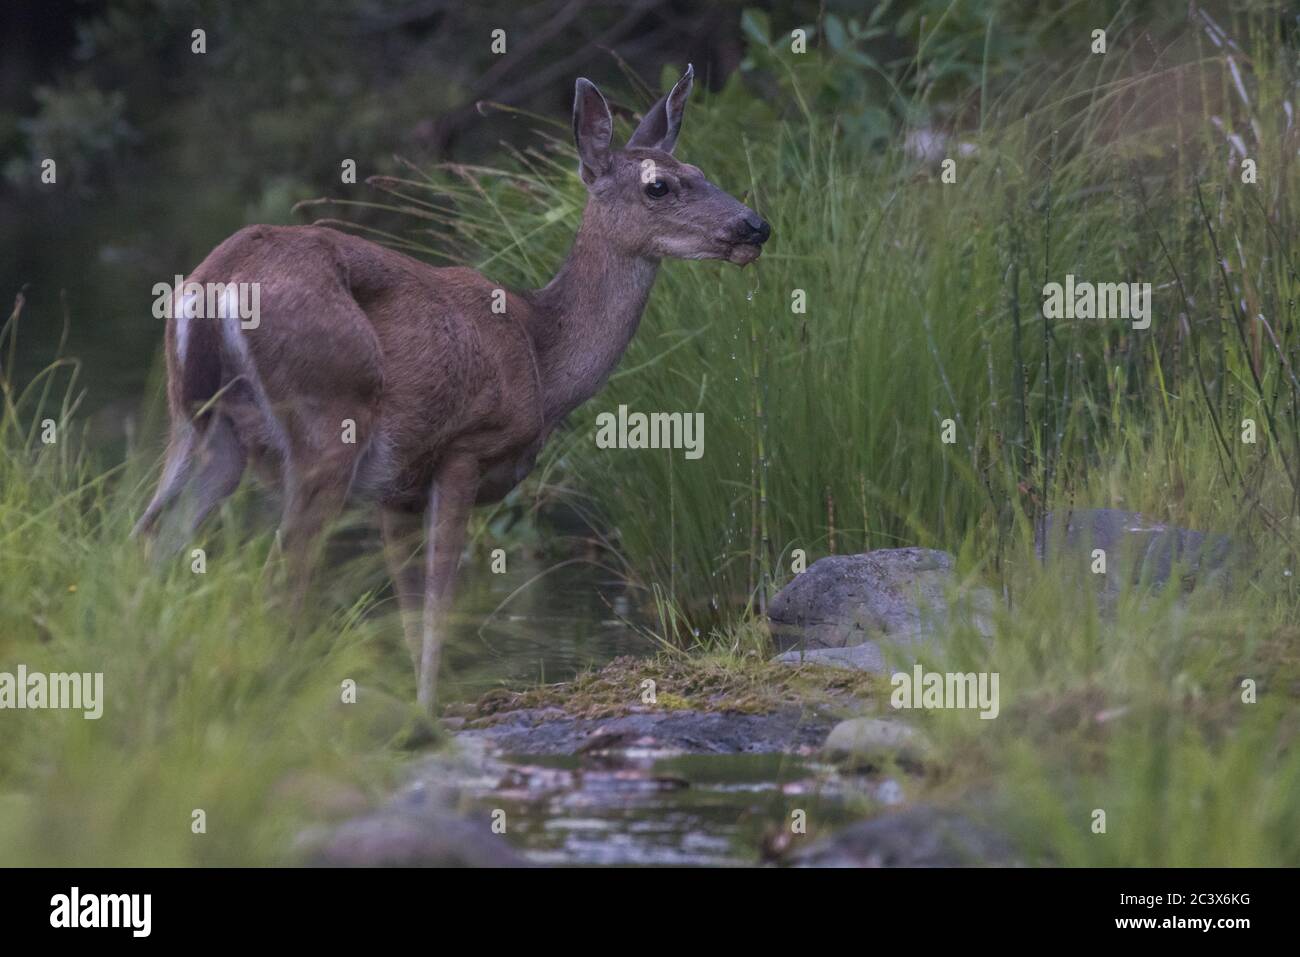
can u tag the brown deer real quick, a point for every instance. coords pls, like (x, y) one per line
(448, 399)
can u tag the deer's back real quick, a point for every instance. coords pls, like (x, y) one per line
(418, 352)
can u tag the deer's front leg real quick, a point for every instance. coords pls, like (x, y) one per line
(450, 500)
(403, 537)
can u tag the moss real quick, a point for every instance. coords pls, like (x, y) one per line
(746, 683)
(672, 702)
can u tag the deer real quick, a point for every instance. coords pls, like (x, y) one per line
(449, 400)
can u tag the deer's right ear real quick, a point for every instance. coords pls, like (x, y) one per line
(662, 122)
(593, 129)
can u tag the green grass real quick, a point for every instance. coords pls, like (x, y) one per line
(208, 704)
(1143, 717)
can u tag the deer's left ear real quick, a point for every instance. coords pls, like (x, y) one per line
(593, 128)
(663, 121)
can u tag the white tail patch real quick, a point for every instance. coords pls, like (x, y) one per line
(186, 309)
(237, 353)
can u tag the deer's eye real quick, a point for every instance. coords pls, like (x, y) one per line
(656, 190)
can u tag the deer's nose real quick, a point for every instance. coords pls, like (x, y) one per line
(755, 230)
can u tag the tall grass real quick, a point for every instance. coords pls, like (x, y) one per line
(208, 705)
(1176, 720)
(823, 426)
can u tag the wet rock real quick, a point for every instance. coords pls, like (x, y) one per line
(1138, 550)
(890, 792)
(692, 732)
(864, 657)
(429, 839)
(441, 779)
(875, 741)
(919, 836)
(848, 610)
(420, 825)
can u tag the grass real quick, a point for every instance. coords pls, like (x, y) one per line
(208, 705)
(823, 433)
(1145, 717)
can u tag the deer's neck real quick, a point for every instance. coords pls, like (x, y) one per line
(587, 315)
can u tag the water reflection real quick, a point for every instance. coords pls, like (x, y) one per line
(538, 623)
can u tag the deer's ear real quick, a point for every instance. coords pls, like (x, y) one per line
(593, 128)
(661, 124)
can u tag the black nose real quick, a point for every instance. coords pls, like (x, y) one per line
(755, 231)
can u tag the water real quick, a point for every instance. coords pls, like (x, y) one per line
(639, 806)
(669, 810)
(538, 624)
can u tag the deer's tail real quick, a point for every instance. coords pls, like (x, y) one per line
(194, 372)
(202, 449)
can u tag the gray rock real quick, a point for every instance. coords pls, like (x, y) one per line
(430, 839)
(890, 598)
(1138, 550)
(874, 741)
(919, 836)
(693, 732)
(865, 657)
(419, 825)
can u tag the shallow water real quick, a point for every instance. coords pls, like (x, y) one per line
(670, 810)
(646, 807)
(537, 624)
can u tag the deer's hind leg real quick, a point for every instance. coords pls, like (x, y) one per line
(220, 461)
(314, 371)
(203, 467)
(178, 466)
(320, 469)
(403, 550)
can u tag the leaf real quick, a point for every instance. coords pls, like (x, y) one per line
(862, 59)
(756, 26)
(835, 34)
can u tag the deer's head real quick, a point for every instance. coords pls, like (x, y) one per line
(649, 204)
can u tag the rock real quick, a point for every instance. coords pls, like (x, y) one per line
(890, 792)
(1138, 550)
(418, 825)
(866, 657)
(919, 836)
(322, 795)
(874, 741)
(693, 732)
(894, 598)
(431, 839)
